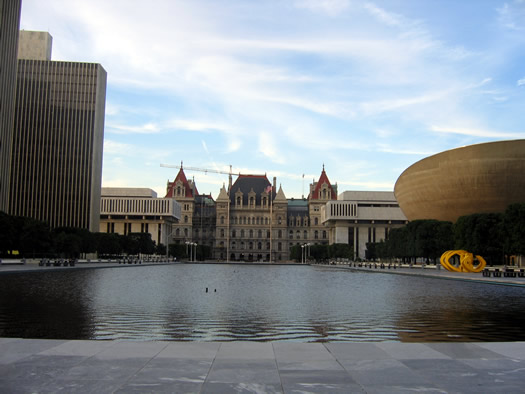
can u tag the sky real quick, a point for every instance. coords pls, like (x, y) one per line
(283, 88)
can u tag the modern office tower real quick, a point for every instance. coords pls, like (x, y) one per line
(9, 25)
(56, 166)
(34, 45)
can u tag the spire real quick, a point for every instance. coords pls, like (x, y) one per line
(280, 195)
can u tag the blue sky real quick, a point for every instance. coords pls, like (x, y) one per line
(366, 88)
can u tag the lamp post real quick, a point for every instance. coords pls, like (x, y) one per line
(306, 251)
(168, 242)
(188, 243)
(195, 253)
(302, 254)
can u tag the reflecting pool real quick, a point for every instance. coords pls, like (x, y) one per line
(222, 302)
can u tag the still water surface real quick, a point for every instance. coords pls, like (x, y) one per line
(255, 303)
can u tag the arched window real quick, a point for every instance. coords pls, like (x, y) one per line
(267, 245)
(280, 234)
(251, 245)
(267, 233)
(242, 245)
(233, 245)
(298, 235)
(305, 234)
(316, 221)
(179, 192)
(234, 233)
(185, 218)
(252, 202)
(279, 220)
(239, 200)
(185, 232)
(222, 219)
(242, 233)
(259, 234)
(222, 232)
(266, 220)
(177, 232)
(251, 233)
(291, 234)
(259, 245)
(324, 234)
(244, 220)
(279, 246)
(316, 234)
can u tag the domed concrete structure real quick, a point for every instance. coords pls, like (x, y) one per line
(472, 179)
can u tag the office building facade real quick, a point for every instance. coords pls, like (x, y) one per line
(359, 217)
(9, 26)
(56, 166)
(138, 210)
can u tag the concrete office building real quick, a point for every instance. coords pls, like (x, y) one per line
(56, 166)
(34, 45)
(138, 210)
(9, 26)
(359, 217)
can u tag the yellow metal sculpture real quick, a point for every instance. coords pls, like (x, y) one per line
(463, 263)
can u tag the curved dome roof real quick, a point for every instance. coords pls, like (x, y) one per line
(471, 179)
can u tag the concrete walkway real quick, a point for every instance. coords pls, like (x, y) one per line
(433, 272)
(50, 366)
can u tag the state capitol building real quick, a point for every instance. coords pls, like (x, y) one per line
(251, 219)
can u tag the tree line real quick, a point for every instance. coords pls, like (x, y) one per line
(33, 238)
(494, 236)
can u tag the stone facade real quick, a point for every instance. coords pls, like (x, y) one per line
(252, 220)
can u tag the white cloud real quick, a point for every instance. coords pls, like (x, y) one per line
(114, 147)
(521, 82)
(483, 133)
(330, 7)
(268, 146)
(512, 15)
(148, 128)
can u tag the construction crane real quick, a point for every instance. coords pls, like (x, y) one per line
(205, 170)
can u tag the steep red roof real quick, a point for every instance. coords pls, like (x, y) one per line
(322, 180)
(187, 187)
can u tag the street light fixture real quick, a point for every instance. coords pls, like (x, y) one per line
(305, 252)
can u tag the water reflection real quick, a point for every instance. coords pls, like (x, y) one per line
(260, 303)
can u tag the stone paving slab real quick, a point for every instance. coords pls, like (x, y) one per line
(51, 366)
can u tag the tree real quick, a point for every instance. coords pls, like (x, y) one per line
(108, 243)
(482, 235)
(514, 229)
(140, 243)
(295, 253)
(340, 251)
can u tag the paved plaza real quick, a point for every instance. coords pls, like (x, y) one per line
(50, 366)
